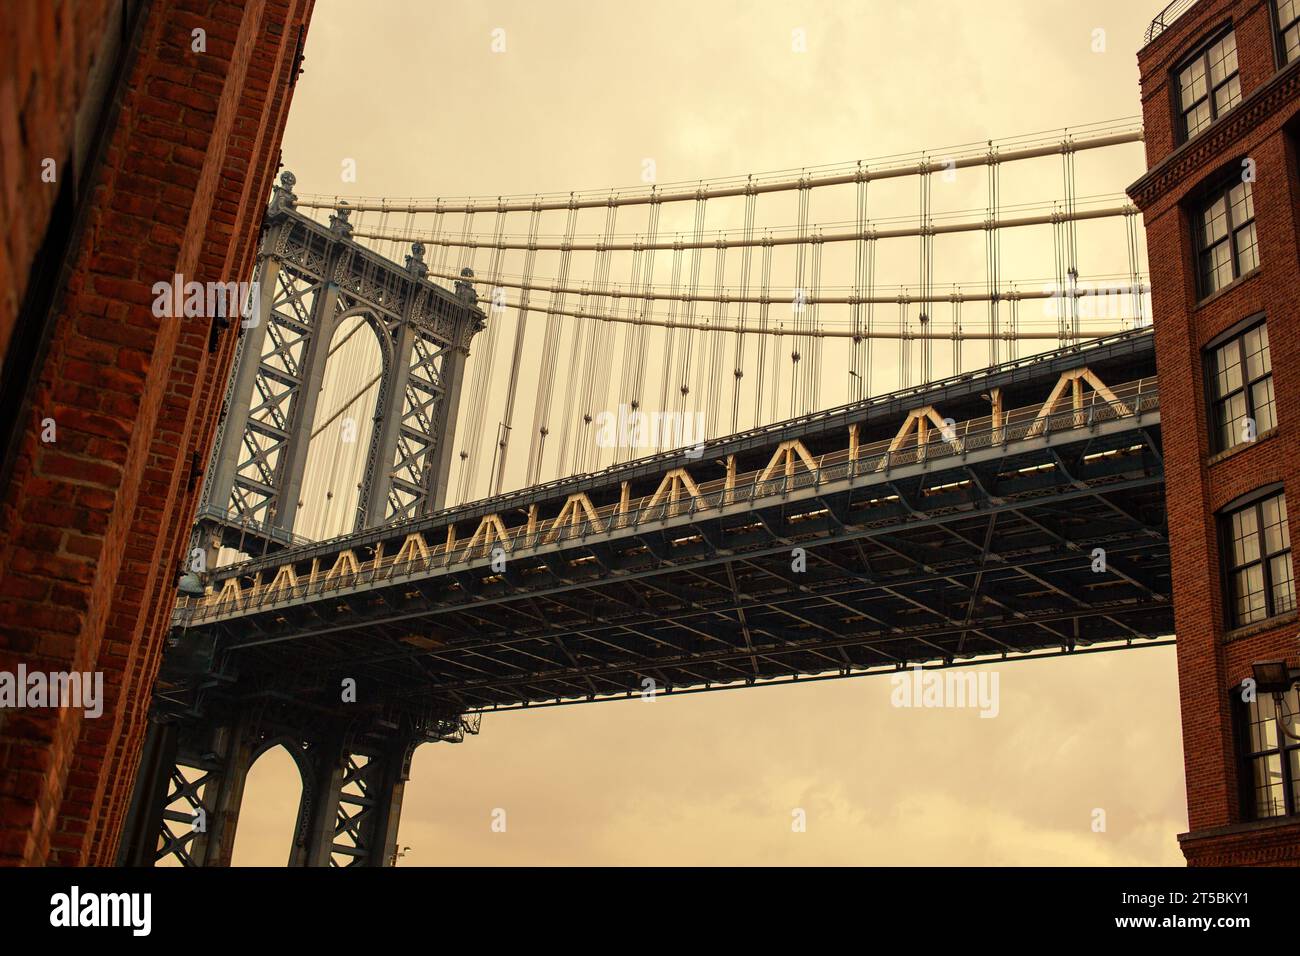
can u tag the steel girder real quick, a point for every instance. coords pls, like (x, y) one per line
(947, 561)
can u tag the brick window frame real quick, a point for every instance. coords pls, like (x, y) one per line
(1237, 248)
(1272, 555)
(1268, 756)
(1254, 386)
(1198, 70)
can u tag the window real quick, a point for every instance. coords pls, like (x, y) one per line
(1272, 774)
(1241, 389)
(1225, 235)
(1288, 29)
(1208, 84)
(1257, 550)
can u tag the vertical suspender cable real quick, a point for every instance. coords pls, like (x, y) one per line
(711, 372)
(697, 254)
(636, 387)
(471, 438)
(550, 348)
(813, 387)
(521, 326)
(764, 316)
(859, 341)
(1071, 239)
(926, 273)
(738, 363)
(992, 253)
(799, 303)
(666, 381)
(597, 353)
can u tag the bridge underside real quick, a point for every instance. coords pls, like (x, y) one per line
(839, 544)
(965, 558)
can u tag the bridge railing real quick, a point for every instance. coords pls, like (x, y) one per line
(258, 529)
(954, 440)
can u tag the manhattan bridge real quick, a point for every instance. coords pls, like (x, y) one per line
(506, 452)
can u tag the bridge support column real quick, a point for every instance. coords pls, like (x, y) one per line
(388, 422)
(187, 795)
(350, 811)
(232, 750)
(252, 341)
(454, 373)
(144, 819)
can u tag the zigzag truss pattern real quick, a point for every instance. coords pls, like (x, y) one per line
(1079, 399)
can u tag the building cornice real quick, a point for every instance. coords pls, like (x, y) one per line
(1269, 99)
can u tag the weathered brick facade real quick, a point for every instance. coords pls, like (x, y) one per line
(1214, 658)
(94, 526)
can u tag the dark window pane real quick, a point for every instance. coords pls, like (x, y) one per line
(1217, 267)
(1288, 25)
(1261, 396)
(1215, 219)
(1255, 343)
(1283, 586)
(1223, 59)
(1192, 83)
(1247, 250)
(1249, 587)
(1268, 786)
(1291, 711)
(1276, 536)
(1245, 537)
(1227, 96)
(1228, 415)
(1263, 724)
(1228, 367)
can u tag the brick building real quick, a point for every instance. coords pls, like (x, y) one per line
(1221, 106)
(140, 138)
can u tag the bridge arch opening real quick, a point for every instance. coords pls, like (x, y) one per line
(268, 812)
(330, 497)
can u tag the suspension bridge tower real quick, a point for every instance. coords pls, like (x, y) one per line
(353, 752)
(310, 279)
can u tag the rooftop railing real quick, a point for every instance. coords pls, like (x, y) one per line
(1165, 18)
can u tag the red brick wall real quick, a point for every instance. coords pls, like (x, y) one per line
(1209, 665)
(95, 525)
(47, 49)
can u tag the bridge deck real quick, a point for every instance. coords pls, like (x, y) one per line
(973, 540)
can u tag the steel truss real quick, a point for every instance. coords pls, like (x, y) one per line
(856, 541)
(311, 277)
(353, 771)
(951, 549)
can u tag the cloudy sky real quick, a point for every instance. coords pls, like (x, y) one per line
(580, 97)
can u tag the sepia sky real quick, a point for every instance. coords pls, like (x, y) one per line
(581, 96)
